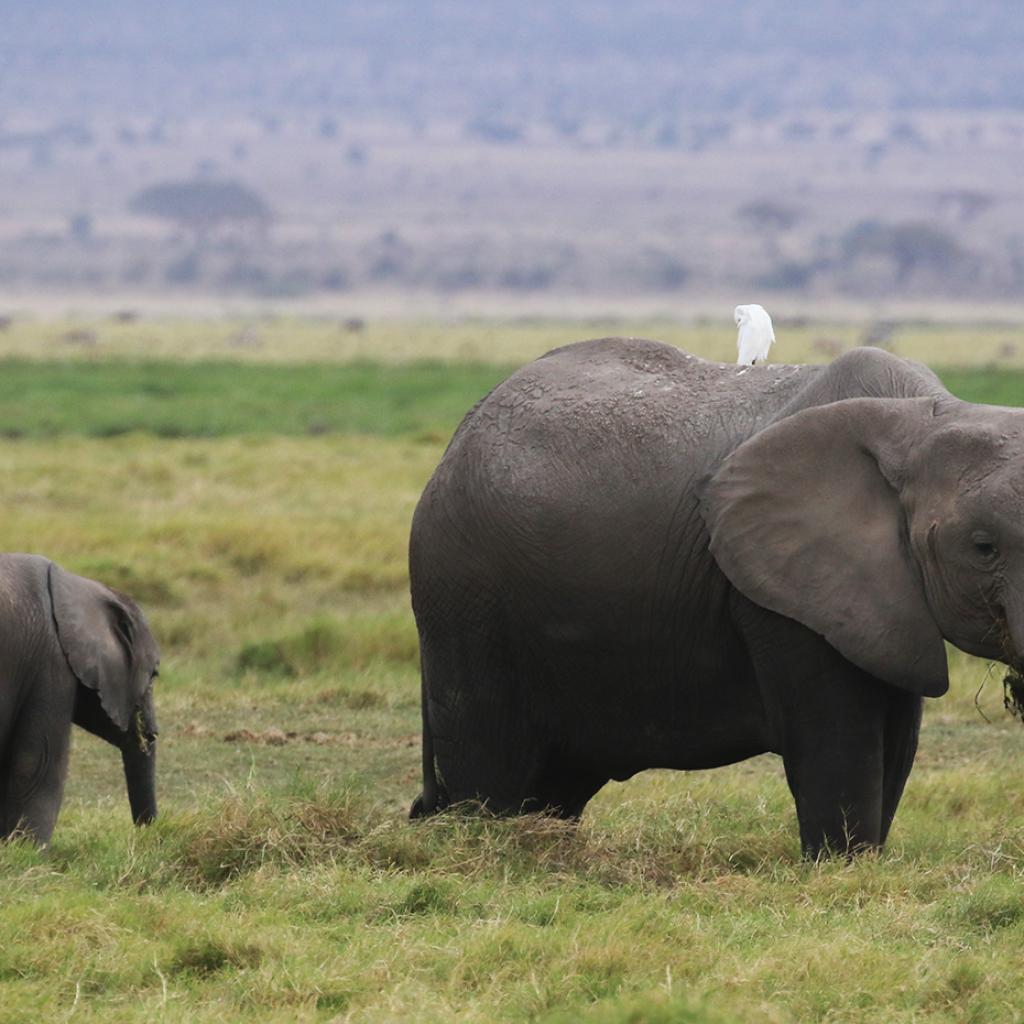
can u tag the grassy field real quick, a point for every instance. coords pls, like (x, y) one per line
(294, 339)
(417, 400)
(260, 514)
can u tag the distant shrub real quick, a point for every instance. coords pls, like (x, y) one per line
(293, 281)
(335, 280)
(489, 128)
(458, 277)
(964, 204)
(245, 274)
(787, 276)
(769, 215)
(80, 227)
(799, 131)
(200, 204)
(184, 270)
(667, 136)
(910, 246)
(528, 279)
(388, 256)
(661, 271)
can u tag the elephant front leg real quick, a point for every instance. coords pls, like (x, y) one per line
(828, 719)
(836, 777)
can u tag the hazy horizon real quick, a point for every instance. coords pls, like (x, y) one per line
(576, 148)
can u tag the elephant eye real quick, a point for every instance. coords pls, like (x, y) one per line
(984, 546)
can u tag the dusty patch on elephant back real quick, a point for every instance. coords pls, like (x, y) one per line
(1013, 692)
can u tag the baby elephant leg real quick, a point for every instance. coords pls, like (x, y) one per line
(36, 766)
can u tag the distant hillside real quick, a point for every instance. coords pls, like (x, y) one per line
(532, 61)
(578, 147)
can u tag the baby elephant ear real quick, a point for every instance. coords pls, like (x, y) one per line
(105, 640)
(805, 520)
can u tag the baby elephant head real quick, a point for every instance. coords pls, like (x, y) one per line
(112, 653)
(885, 525)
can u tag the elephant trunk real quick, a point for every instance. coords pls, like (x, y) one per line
(138, 755)
(1011, 629)
(140, 775)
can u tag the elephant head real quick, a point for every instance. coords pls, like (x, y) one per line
(885, 525)
(112, 653)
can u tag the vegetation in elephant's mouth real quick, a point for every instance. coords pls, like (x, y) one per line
(142, 735)
(1013, 692)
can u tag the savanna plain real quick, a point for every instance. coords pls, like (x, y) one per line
(251, 484)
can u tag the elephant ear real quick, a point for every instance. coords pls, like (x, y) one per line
(805, 519)
(106, 641)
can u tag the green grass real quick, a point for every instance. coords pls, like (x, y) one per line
(282, 881)
(989, 385)
(175, 399)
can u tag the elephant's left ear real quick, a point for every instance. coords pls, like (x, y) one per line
(106, 641)
(806, 520)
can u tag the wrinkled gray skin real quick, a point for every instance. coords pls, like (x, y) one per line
(71, 650)
(630, 558)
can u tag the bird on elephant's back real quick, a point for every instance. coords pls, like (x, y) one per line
(632, 558)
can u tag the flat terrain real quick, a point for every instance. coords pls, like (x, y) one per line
(255, 496)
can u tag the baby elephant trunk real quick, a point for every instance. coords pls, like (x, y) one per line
(139, 757)
(140, 775)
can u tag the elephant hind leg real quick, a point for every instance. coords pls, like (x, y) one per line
(520, 777)
(484, 738)
(483, 749)
(537, 787)
(566, 786)
(34, 786)
(35, 760)
(502, 780)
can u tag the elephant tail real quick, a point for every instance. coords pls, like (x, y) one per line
(433, 798)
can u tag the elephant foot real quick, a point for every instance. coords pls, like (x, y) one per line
(422, 808)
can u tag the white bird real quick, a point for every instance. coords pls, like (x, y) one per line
(756, 335)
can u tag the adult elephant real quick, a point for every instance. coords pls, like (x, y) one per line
(631, 558)
(71, 650)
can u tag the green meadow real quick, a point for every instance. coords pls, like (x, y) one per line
(252, 486)
(415, 400)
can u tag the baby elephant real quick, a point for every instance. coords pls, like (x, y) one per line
(71, 650)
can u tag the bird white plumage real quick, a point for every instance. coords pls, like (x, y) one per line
(755, 336)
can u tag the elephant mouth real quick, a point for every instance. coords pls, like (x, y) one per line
(1013, 680)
